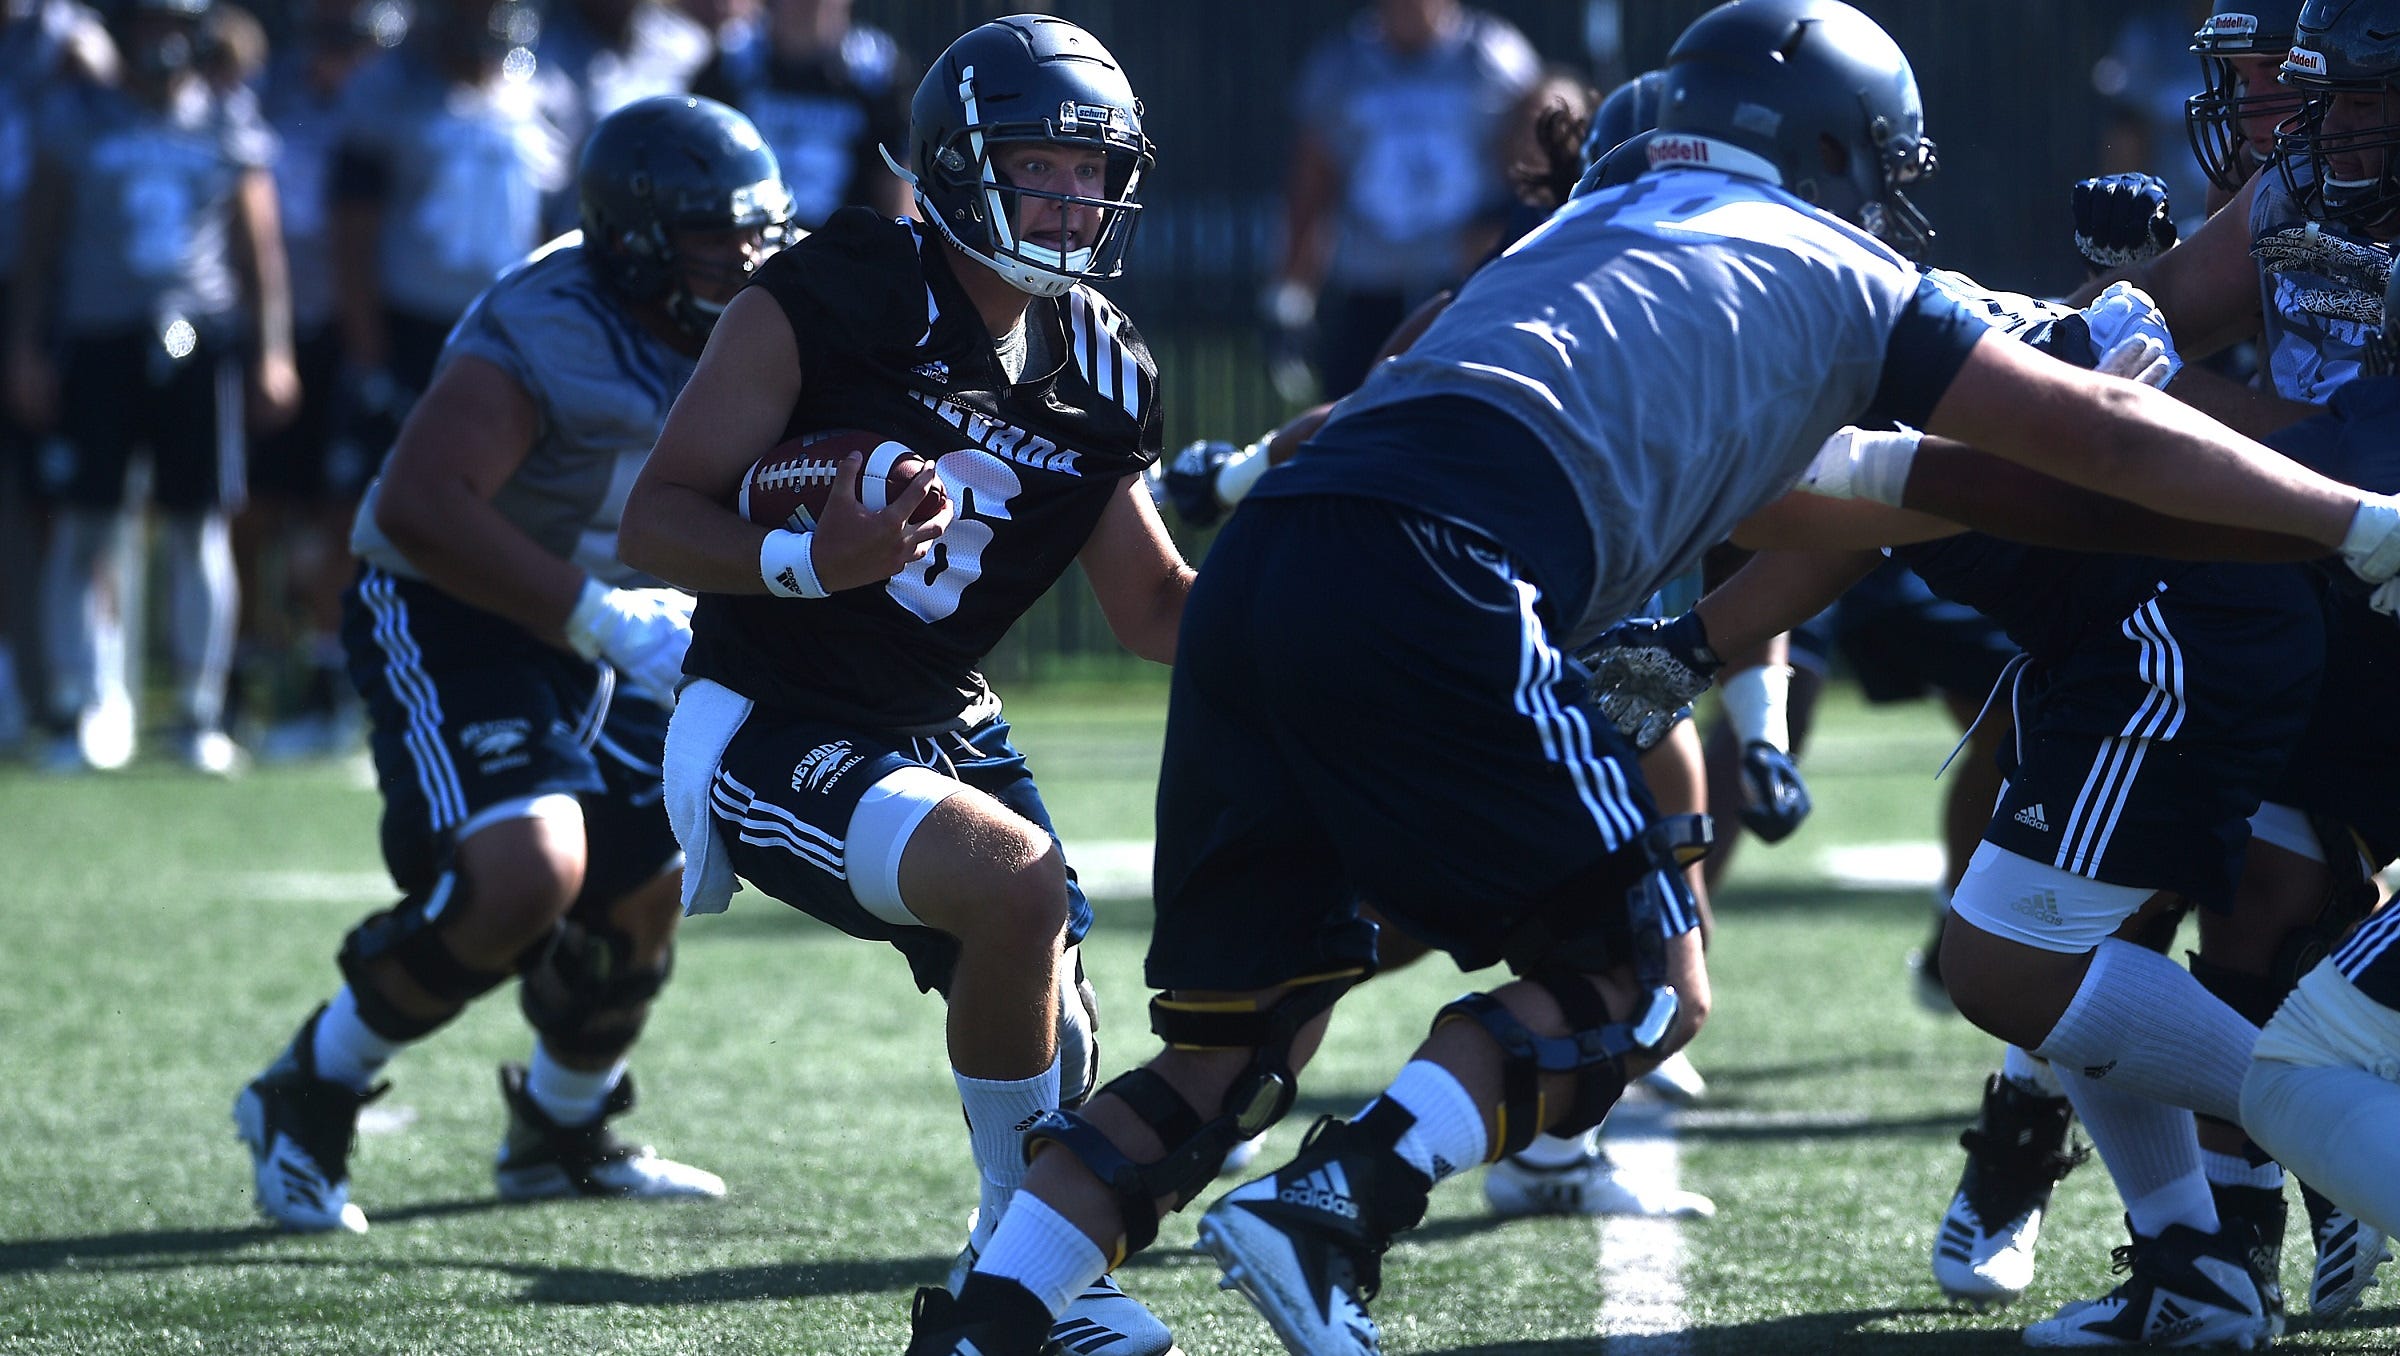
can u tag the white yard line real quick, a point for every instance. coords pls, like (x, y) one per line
(1641, 1260)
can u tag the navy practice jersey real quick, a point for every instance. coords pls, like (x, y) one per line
(890, 343)
(1681, 346)
(601, 386)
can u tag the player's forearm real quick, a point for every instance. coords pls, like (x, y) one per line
(1776, 591)
(264, 265)
(358, 291)
(1993, 495)
(2157, 452)
(2251, 412)
(463, 546)
(689, 540)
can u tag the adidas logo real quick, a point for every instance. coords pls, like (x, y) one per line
(2170, 1320)
(2031, 817)
(1327, 1189)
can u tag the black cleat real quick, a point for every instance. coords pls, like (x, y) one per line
(543, 1160)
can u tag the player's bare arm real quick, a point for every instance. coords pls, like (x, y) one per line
(32, 378)
(1136, 573)
(679, 521)
(2124, 439)
(258, 252)
(464, 439)
(1775, 591)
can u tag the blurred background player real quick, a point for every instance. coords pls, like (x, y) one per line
(1397, 185)
(150, 243)
(446, 151)
(42, 43)
(975, 337)
(827, 94)
(612, 52)
(305, 479)
(518, 679)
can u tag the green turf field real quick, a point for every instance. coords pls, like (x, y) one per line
(163, 936)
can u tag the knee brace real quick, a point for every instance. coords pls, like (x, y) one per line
(2350, 895)
(1195, 1147)
(1593, 1051)
(583, 993)
(404, 936)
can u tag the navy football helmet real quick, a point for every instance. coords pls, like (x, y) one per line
(672, 163)
(2214, 117)
(1629, 110)
(2349, 172)
(1028, 77)
(1810, 94)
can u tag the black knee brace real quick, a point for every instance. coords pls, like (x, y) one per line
(583, 992)
(1195, 1148)
(1593, 1050)
(405, 936)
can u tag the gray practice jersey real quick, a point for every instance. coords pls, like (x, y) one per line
(2304, 354)
(150, 204)
(601, 387)
(460, 171)
(1418, 139)
(1682, 346)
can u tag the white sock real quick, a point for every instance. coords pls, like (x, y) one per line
(1557, 1151)
(347, 1051)
(997, 1111)
(2142, 1023)
(568, 1096)
(1448, 1134)
(2235, 1170)
(2030, 1073)
(1037, 1248)
(2152, 1152)
(202, 602)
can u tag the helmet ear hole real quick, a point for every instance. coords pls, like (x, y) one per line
(1832, 155)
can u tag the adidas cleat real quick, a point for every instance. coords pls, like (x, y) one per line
(1591, 1185)
(994, 1318)
(1305, 1243)
(2252, 1219)
(300, 1129)
(1102, 1321)
(2016, 1153)
(543, 1160)
(2348, 1251)
(2181, 1289)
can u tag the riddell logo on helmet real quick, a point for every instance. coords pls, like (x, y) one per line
(1678, 151)
(2305, 61)
(2225, 24)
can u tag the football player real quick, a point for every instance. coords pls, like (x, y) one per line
(974, 336)
(150, 242)
(517, 679)
(1484, 502)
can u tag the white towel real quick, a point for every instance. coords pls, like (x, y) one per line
(706, 715)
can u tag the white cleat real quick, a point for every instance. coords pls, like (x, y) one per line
(300, 1129)
(1102, 1321)
(2018, 1149)
(2181, 1289)
(543, 1160)
(2348, 1251)
(1676, 1080)
(1593, 1184)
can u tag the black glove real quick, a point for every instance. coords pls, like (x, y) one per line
(1191, 480)
(2122, 219)
(1645, 673)
(1774, 799)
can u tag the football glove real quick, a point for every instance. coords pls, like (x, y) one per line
(1645, 673)
(2309, 250)
(1190, 480)
(1774, 798)
(2122, 219)
(2125, 312)
(641, 632)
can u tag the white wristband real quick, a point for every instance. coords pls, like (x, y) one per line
(1240, 472)
(1857, 463)
(1757, 702)
(786, 563)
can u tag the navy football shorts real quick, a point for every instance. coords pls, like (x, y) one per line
(2348, 764)
(1368, 705)
(788, 788)
(468, 711)
(2141, 754)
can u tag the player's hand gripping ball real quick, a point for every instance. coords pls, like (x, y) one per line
(789, 487)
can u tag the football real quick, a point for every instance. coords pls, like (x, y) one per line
(789, 486)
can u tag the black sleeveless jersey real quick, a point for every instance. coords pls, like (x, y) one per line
(890, 343)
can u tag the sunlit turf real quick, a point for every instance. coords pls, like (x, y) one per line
(163, 935)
